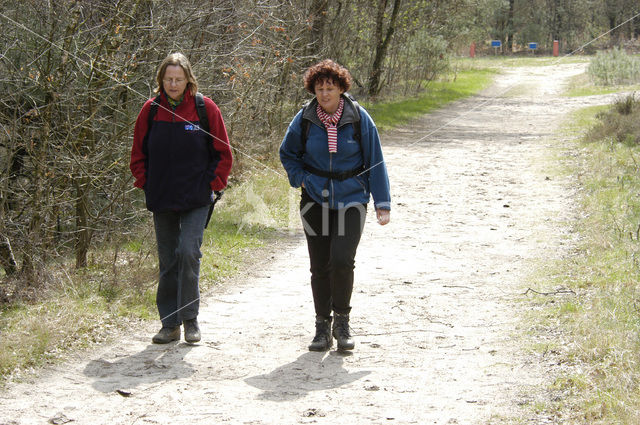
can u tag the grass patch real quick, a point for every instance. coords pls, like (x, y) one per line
(77, 309)
(583, 119)
(582, 85)
(596, 349)
(253, 213)
(35, 333)
(388, 115)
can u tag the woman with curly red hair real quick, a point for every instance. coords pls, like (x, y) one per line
(332, 151)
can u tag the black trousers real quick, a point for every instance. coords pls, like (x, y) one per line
(332, 238)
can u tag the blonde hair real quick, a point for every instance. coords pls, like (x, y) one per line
(180, 60)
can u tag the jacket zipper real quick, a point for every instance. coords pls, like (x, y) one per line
(331, 193)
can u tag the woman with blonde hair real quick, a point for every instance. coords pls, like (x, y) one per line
(180, 167)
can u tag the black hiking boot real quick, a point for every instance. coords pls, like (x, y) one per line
(342, 333)
(191, 331)
(166, 335)
(322, 341)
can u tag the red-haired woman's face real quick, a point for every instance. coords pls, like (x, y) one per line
(328, 95)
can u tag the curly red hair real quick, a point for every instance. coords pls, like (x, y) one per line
(327, 70)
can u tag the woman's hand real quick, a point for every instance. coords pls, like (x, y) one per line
(383, 216)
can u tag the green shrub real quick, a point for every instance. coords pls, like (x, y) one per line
(621, 123)
(614, 67)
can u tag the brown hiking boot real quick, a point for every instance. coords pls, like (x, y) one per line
(191, 331)
(166, 335)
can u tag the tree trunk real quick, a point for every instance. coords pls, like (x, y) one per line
(7, 260)
(87, 142)
(33, 246)
(381, 44)
(509, 41)
(318, 17)
(555, 20)
(83, 235)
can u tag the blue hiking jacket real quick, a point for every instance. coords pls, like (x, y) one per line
(350, 155)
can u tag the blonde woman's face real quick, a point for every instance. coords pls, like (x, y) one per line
(174, 81)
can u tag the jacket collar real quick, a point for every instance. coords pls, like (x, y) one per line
(187, 98)
(349, 114)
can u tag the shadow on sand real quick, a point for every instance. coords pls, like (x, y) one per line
(312, 371)
(156, 363)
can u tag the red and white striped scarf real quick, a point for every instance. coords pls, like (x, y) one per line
(331, 122)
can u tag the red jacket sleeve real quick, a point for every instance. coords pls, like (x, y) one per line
(137, 155)
(220, 144)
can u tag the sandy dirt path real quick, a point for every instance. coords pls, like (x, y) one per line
(436, 324)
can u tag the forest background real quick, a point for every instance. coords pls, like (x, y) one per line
(74, 75)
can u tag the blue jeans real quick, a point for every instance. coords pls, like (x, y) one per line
(179, 237)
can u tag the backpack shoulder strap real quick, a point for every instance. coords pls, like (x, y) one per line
(201, 108)
(153, 109)
(357, 134)
(305, 126)
(152, 112)
(203, 119)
